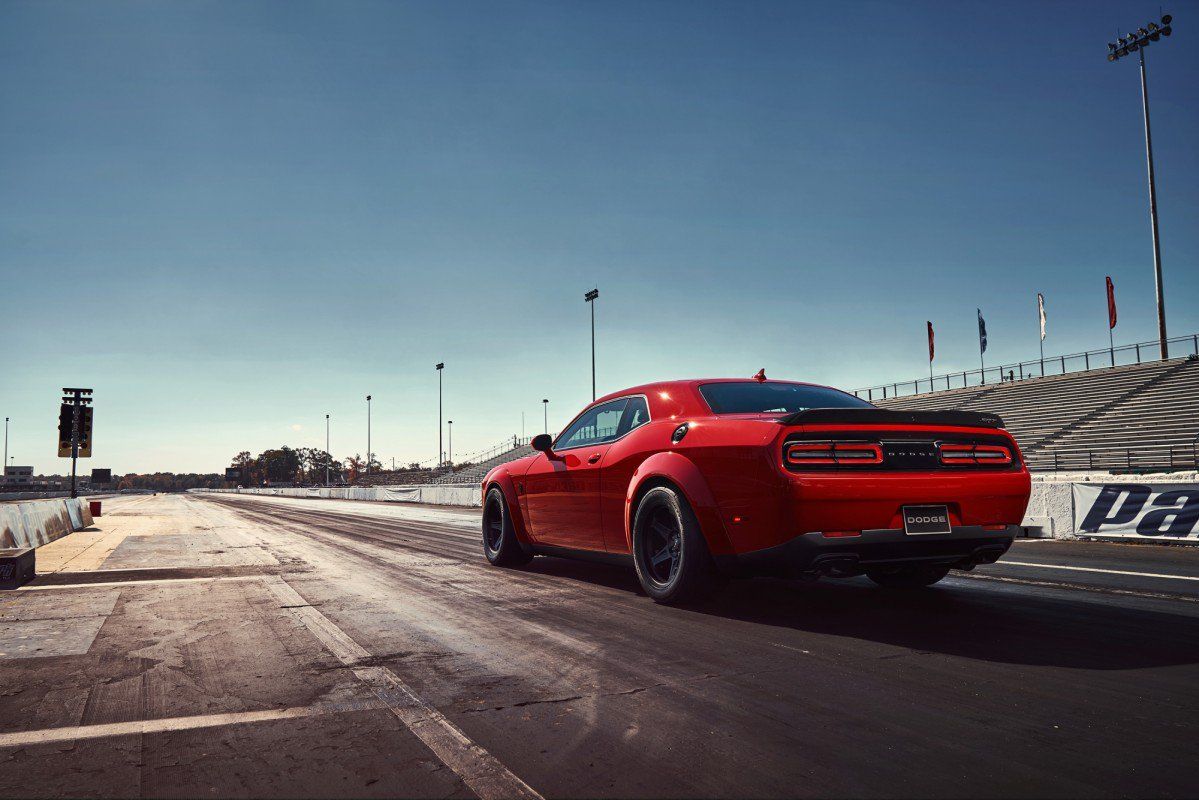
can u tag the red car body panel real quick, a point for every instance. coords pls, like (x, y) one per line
(730, 469)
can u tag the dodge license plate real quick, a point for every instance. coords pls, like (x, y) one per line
(925, 519)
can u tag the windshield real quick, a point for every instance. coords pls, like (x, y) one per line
(774, 398)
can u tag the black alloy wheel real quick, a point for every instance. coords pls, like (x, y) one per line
(500, 544)
(669, 550)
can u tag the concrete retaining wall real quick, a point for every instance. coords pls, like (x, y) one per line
(1051, 507)
(38, 522)
(432, 494)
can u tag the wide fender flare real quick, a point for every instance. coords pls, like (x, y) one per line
(681, 471)
(503, 479)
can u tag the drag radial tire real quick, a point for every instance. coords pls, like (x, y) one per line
(912, 577)
(499, 537)
(669, 550)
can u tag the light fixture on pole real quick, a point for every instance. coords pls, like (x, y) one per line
(590, 299)
(440, 452)
(545, 408)
(328, 456)
(1136, 42)
(368, 434)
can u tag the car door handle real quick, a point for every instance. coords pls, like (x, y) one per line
(594, 457)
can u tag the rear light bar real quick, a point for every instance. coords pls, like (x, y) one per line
(802, 453)
(974, 454)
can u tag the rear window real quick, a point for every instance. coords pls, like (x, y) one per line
(774, 398)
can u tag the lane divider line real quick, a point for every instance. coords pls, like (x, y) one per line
(75, 732)
(478, 769)
(1096, 569)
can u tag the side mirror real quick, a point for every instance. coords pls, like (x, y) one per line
(543, 442)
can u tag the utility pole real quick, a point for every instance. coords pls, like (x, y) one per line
(1130, 43)
(440, 452)
(545, 409)
(590, 299)
(328, 456)
(368, 434)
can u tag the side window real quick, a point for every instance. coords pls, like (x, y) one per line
(636, 414)
(596, 426)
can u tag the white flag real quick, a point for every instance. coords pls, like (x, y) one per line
(1041, 312)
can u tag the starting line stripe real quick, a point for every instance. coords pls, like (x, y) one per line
(478, 769)
(1096, 569)
(45, 735)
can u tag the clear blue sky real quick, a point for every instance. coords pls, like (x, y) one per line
(231, 218)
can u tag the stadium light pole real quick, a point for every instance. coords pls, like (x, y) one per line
(368, 434)
(590, 299)
(328, 457)
(440, 452)
(545, 413)
(1136, 42)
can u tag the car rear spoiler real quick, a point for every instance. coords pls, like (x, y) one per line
(885, 416)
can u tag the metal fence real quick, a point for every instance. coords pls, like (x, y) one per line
(1105, 358)
(1118, 459)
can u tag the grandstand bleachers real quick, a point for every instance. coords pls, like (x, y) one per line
(475, 472)
(1140, 416)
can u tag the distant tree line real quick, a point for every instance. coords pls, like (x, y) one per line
(170, 481)
(299, 465)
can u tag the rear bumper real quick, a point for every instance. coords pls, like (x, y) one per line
(965, 546)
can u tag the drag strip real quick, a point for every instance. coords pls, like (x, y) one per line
(577, 683)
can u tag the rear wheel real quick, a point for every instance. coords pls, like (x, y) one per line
(499, 536)
(911, 577)
(669, 550)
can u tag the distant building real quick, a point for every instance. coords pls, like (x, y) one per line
(18, 475)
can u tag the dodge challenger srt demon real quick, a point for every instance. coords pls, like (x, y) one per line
(692, 480)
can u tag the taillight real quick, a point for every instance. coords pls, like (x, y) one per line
(803, 453)
(974, 454)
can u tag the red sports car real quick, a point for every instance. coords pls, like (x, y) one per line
(688, 480)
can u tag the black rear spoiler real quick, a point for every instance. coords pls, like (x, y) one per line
(885, 416)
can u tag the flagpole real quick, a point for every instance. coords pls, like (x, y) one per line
(982, 369)
(1041, 330)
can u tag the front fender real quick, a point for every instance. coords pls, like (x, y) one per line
(681, 471)
(502, 478)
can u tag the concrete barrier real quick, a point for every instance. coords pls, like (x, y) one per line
(1052, 511)
(432, 494)
(37, 522)
(1051, 508)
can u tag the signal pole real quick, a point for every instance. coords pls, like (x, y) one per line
(76, 405)
(1137, 42)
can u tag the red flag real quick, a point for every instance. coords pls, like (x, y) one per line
(930, 342)
(1111, 304)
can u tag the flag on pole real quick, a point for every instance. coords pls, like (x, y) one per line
(1111, 304)
(1041, 313)
(930, 342)
(982, 332)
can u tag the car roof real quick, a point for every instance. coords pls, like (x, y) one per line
(694, 383)
(690, 388)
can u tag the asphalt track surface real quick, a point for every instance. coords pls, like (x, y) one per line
(368, 649)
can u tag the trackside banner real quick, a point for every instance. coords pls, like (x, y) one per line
(1146, 511)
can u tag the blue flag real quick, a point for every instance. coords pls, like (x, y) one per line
(982, 332)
